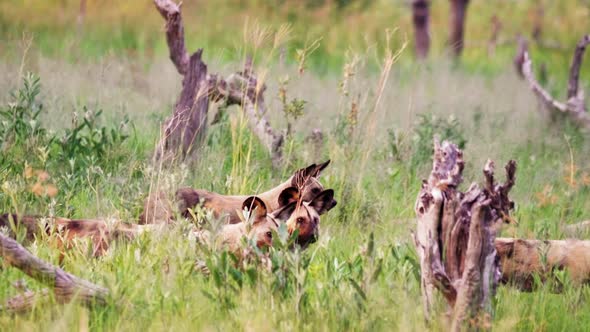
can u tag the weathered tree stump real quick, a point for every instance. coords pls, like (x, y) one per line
(455, 236)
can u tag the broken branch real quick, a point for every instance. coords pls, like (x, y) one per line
(575, 107)
(67, 287)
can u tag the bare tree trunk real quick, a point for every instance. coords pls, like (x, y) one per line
(455, 236)
(81, 14)
(186, 128)
(421, 20)
(457, 26)
(67, 287)
(496, 27)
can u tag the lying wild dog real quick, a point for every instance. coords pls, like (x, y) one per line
(230, 205)
(258, 228)
(299, 216)
(100, 232)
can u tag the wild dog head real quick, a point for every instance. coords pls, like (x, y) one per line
(306, 180)
(305, 216)
(262, 224)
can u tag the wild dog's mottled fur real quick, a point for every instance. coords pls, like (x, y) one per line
(259, 228)
(522, 259)
(97, 230)
(229, 205)
(305, 219)
(156, 210)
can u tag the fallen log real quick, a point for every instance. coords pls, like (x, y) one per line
(455, 236)
(188, 124)
(66, 286)
(574, 107)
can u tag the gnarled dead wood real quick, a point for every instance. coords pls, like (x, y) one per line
(455, 235)
(66, 287)
(170, 11)
(188, 125)
(574, 107)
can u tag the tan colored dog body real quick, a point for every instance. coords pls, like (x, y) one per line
(259, 228)
(229, 205)
(521, 259)
(100, 232)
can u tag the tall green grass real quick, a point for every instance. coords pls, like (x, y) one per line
(363, 273)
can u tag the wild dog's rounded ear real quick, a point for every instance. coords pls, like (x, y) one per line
(256, 205)
(288, 195)
(285, 212)
(323, 202)
(320, 168)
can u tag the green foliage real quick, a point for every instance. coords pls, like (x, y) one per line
(72, 158)
(426, 129)
(19, 120)
(88, 143)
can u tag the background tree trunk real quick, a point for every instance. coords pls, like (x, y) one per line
(457, 26)
(421, 20)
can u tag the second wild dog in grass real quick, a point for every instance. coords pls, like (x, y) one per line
(305, 218)
(229, 205)
(258, 226)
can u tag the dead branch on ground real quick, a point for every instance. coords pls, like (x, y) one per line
(66, 286)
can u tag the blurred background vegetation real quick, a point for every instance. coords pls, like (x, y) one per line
(377, 129)
(73, 30)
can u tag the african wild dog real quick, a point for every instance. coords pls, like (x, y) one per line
(229, 205)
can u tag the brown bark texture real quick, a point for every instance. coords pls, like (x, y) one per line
(187, 127)
(455, 236)
(66, 286)
(421, 21)
(457, 26)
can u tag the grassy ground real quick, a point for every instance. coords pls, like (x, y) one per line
(380, 151)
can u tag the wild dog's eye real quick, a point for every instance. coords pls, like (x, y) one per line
(315, 190)
(300, 220)
(269, 234)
